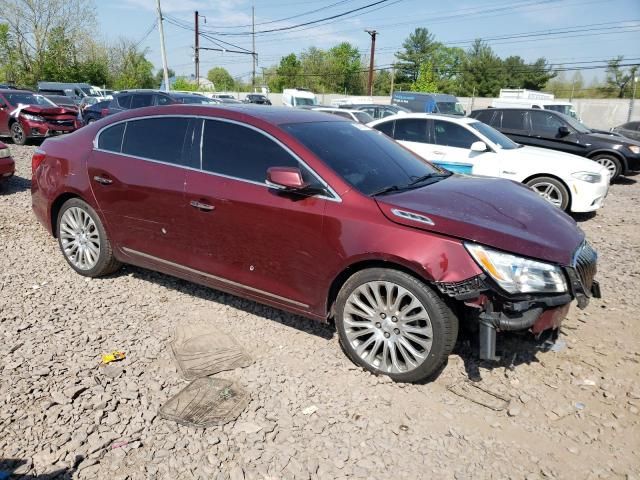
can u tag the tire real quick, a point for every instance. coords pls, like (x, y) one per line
(17, 134)
(432, 322)
(90, 121)
(551, 190)
(78, 225)
(613, 164)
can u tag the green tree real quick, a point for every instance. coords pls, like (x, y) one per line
(617, 78)
(131, 67)
(159, 76)
(382, 83)
(482, 72)
(9, 67)
(221, 78)
(418, 49)
(289, 73)
(447, 63)
(426, 81)
(344, 68)
(315, 65)
(182, 84)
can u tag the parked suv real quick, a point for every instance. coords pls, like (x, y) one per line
(317, 215)
(25, 115)
(132, 99)
(557, 131)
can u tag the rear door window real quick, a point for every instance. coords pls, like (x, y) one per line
(411, 130)
(141, 100)
(514, 119)
(241, 152)
(111, 138)
(160, 139)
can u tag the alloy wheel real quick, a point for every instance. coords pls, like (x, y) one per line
(388, 327)
(79, 238)
(17, 134)
(609, 164)
(549, 192)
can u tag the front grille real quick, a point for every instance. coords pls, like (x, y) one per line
(62, 123)
(585, 263)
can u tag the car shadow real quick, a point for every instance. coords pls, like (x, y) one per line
(323, 330)
(626, 180)
(15, 184)
(583, 217)
(9, 465)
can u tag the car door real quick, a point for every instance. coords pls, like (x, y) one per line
(514, 123)
(141, 100)
(137, 177)
(252, 237)
(455, 141)
(5, 109)
(545, 133)
(412, 133)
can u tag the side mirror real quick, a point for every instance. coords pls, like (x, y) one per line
(563, 131)
(285, 178)
(478, 147)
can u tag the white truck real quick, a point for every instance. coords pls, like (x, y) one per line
(523, 98)
(298, 97)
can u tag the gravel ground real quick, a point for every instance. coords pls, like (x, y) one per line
(573, 413)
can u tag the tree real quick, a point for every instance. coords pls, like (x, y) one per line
(315, 65)
(221, 78)
(482, 71)
(617, 79)
(289, 73)
(159, 76)
(447, 63)
(344, 67)
(418, 49)
(131, 67)
(382, 83)
(8, 58)
(182, 84)
(426, 81)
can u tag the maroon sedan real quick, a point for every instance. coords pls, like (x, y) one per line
(7, 165)
(25, 115)
(319, 216)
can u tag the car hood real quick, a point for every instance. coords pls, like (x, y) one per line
(612, 139)
(48, 112)
(553, 160)
(495, 212)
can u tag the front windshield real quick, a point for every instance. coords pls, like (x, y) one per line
(502, 141)
(28, 99)
(576, 124)
(304, 101)
(450, 108)
(366, 158)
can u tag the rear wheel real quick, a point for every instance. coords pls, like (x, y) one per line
(612, 163)
(83, 240)
(551, 190)
(17, 134)
(390, 323)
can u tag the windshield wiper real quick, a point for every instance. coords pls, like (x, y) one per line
(408, 186)
(389, 189)
(429, 176)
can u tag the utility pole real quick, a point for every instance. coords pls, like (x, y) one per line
(393, 78)
(253, 46)
(197, 51)
(373, 34)
(634, 82)
(162, 49)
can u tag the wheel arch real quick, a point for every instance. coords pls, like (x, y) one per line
(555, 177)
(613, 153)
(56, 205)
(358, 266)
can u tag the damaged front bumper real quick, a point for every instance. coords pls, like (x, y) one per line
(499, 311)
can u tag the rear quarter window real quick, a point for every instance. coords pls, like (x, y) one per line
(111, 138)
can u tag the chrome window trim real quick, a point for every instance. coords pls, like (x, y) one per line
(213, 277)
(334, 195)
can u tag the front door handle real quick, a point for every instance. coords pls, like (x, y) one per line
(201, 206)
(103, 180)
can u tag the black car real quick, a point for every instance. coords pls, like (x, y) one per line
(95, 112)
(630, 130)
(557, 131)
(130, 99)
(192, 99)
(377, 110)
(257, 98)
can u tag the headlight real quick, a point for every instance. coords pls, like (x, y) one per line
(33, 118)
(634, 148)
(587, 177)
(517, 274)
(5, 152)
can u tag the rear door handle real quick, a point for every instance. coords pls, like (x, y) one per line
(201, 206)
(103, 180)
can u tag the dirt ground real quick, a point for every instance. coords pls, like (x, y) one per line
(571, 412)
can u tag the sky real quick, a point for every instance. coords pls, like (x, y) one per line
(571, 33)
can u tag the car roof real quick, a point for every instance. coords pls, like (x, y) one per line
(272, 115)
(432, 116)
(11, 90)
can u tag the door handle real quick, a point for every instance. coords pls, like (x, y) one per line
(103, 180)
(438, 153)
(201, 206)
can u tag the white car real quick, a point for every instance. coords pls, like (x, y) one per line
(465, 145)
(355, 115)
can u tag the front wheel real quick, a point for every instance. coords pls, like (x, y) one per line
(552, 190)
(17, 134)
(391, 323)
(83, 240)
(611, 163)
